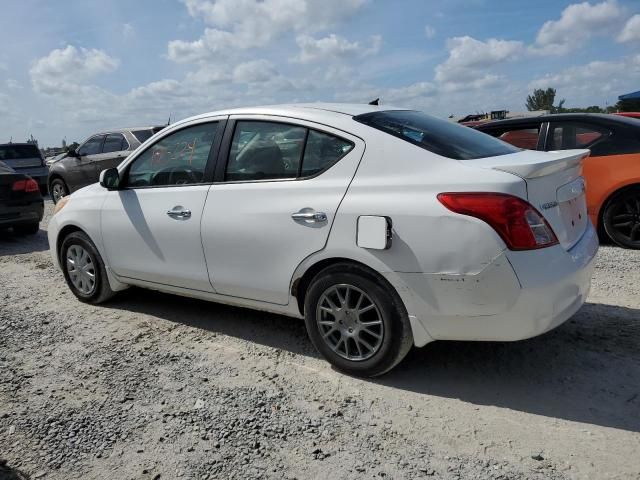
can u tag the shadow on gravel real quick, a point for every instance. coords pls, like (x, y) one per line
(587, 370)
(13, 244)
(8, 473)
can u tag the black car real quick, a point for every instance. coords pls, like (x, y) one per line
(21, 204)
(26, 158)
(99, 152)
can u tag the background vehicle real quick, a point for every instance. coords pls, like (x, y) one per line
(382, 228)
(100, 151)
(629, 114)
(21, 204)
(25, 158)
(612, 171)
(51, 160)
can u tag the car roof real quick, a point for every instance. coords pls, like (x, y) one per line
(597, 118)
(125, 130)
(301, 110)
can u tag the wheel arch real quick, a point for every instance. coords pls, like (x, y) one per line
(603, 205)
(63, 233)
(300, 285)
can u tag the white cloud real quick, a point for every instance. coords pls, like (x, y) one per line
(429, 31)
(578, 22)
(587, 83)
(246, 24)
(63, 68)
(128, 31)
(631, 30)
(13, 84)
(333, 47)
(470, 59)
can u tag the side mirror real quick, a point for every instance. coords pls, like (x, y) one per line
(72, 153)
(110, 179)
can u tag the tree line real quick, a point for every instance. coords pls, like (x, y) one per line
(542, 99)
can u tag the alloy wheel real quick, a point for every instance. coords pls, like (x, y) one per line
(625, 218)
(81, 269)
(57, 191)
(350, 322)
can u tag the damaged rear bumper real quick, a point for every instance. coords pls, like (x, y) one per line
(516, 296)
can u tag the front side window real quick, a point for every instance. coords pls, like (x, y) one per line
(178, 159)
(92, 146)
(437, 136)
(265, 151)
(114, 142)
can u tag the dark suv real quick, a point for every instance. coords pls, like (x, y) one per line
(99, 152)
(26, 159)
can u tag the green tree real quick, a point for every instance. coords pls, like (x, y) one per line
(543, 100)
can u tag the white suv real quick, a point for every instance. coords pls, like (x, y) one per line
(382, 228)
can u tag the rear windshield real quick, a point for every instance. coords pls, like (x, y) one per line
(12, 152)
(144, 135)
(438, 136)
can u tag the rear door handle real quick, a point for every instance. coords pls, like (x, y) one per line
(179, 213)
(309, 216)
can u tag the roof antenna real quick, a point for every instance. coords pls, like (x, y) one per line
(169, 121)
(375, 102)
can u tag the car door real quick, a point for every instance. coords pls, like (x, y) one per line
(151, 224)
(114, 150)
(81, 170)
(278, 186)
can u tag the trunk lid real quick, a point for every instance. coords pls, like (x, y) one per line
(555, 187)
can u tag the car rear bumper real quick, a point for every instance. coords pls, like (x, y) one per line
(21, 214)
(517, 296)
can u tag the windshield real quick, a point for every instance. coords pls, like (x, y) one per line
(15, 152)
(438, 136)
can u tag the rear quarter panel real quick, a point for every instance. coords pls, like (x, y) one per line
(606, 175)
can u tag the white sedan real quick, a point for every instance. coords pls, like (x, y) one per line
(382, 228)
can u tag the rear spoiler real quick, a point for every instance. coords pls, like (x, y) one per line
(531, 164)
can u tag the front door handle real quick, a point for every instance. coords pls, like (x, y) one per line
(309, 215)
(179, 213)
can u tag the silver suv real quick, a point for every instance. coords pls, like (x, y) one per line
(99, 152)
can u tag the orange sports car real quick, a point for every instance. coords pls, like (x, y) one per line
(612, 171)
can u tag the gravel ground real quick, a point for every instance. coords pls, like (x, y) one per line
(153, 386)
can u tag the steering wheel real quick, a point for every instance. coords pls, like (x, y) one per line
(174, 176)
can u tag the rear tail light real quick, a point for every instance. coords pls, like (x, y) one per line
(518, 223)
(28, 185)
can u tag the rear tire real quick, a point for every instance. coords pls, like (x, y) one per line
(621, 218)
(27, 228)
(84, 269)
(356, 322)
(58, 189)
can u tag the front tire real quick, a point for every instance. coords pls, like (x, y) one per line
(84, 269)
(356, 322)
(58, 189)
(621, 218)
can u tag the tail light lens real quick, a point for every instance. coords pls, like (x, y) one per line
(517, 222)
(28, 185)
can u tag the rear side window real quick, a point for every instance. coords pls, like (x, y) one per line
(438, 136)
(114, 142)
(92, 146)
(11, 152)
(144, 135)
(322, 151)
(270, 151)
(522, 138)
(565, 136)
